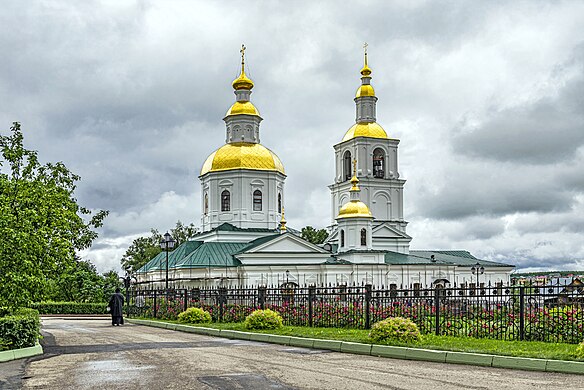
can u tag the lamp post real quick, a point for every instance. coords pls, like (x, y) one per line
(287, 275)
(477, 270)
(166, 244)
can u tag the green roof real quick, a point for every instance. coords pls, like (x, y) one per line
(212, 254)
(156, 263)
(257, 242)
(457, 258)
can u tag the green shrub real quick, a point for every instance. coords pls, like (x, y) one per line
(580, 351)
(19, 328)
(194, 315)
(396, 329)
(69, 308)
(263, 319)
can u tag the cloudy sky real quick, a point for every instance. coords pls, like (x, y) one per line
(486, 97)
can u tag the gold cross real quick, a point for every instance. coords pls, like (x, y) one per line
(242, 51)
(365, 47)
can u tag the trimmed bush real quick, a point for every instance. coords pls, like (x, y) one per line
(263, 319)
(396, 329)
(69, 308)
(580, 351)
(194, 315)
(19, 328)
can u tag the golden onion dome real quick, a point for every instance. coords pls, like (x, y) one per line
(242, 82)
(366, 70)
(242, 155)
(371, 130)
(365, 90)
(243, 108)
(354, 209)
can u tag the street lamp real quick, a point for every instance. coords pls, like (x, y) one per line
(287, 275)
(166, 244)
(477, 270)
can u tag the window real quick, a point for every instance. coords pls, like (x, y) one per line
(206, 206)
(363, 237)
(378, 163)
(225, 201)
(280, 203)
(347, 165)
(342, 238)
(257, 200)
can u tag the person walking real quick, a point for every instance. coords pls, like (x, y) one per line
(116, 306)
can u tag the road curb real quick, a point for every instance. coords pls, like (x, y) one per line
(473, 359)
(13, 354)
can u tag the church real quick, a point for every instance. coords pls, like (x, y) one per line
(244, 239)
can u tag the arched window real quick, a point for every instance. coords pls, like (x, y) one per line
(206, 206)
(378, 163)
(280, 203)
(257, 200)
(342, 238)
(225, 201)
(363, 237)
(347, 165)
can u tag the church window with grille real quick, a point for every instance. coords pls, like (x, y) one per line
(378, 163)
(257, 200)
(225, 201)
(206, 204)
(342, 238)
(280, 203)
(347, 165)
(363, 237)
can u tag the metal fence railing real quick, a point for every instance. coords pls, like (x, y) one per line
(552, 313)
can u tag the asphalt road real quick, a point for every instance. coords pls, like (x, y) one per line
(91, 354)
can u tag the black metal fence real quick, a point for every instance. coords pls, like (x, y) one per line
(552, 313)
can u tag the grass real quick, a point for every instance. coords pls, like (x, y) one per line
(529, 349)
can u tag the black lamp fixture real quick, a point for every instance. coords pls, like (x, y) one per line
(287, 275)
(166, 244)
(477, 270)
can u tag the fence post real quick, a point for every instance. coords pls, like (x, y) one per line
(311, 296)
(222, 302)
(522, 313)
(262, 297)
(155, 308)
(185, 303)
(368, 289)
(437, 311)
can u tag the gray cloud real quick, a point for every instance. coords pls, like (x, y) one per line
(130, 95)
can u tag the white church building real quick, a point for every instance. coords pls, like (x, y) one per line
(244, 239)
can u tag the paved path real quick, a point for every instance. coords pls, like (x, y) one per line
(90, 353)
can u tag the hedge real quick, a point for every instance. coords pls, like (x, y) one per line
(19, 328)
(69, 308)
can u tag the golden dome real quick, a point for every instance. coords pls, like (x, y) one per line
(242, 155)
(243, 108)
(242, 82)
(372, 130)
(366, 70)
(365, 90)
(354, 209)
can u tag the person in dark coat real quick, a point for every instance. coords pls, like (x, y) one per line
(116, 305)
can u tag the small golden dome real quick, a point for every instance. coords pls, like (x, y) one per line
(366, 70)
(365, 90)
(242, 82)
(371, 130)
(243, 108)
(354, 209)
(242, 155)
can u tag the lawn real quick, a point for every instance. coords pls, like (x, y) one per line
(530, 349)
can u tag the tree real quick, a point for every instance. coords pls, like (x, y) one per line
(314, 236)
(143, 249)
(41, 223)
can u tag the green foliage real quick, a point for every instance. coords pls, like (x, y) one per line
(143, 249)
(42, 224)
(263, 319)
(580, 351)
(69, 308)
(19, 328)
(396, 328)
(314, 236)
(194, 315)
